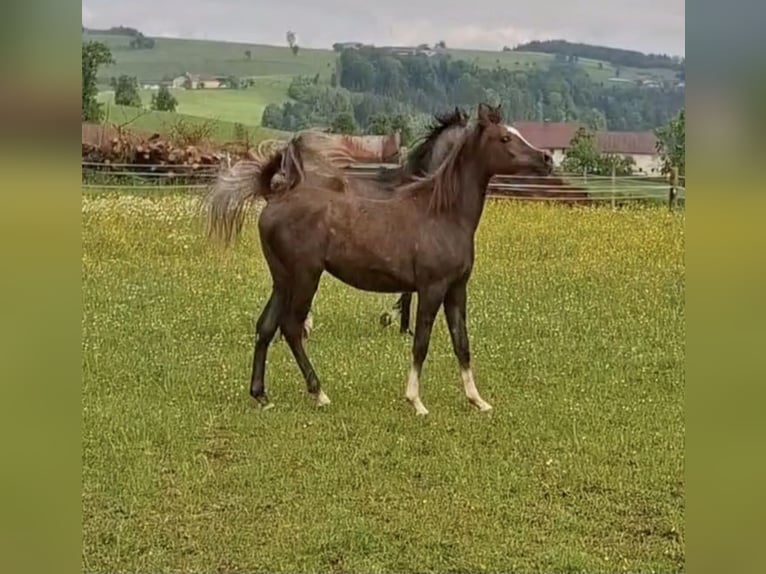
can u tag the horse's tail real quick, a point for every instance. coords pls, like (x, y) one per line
(274, 168)
(226, 203)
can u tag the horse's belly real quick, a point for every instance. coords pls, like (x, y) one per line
(371, 267)
(378, 281)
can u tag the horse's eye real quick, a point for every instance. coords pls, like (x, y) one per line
(505, 139)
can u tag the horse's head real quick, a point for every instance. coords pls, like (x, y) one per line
(505, 150)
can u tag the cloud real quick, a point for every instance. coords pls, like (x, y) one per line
(87, 15)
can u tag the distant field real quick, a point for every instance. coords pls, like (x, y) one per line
(173, 57)
(244, 106)
(525, 60)
(145, 120)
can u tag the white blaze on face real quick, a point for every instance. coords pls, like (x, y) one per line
(517, 133)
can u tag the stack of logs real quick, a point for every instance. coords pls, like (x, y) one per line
(152, 154)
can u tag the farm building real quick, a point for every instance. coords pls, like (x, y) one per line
(195, 81)
(555, 137)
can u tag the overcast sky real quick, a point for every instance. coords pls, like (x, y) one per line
(645, 25)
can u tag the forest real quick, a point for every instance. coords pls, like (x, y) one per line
(369, 84)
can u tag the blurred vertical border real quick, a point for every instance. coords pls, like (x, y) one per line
(40, 301)
(726, 285)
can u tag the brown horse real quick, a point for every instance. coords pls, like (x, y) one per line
(425, 157)
(420, 240)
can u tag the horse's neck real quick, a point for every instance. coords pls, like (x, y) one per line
(474, 180)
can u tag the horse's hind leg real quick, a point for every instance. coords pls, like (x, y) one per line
(405, 304)
(292, 325)
(265, 328)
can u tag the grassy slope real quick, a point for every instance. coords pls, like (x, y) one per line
(145, 120)
(244, 106)
(522, 60)
(577, 330)
(173, 57)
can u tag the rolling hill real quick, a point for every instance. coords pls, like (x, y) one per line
(271, 68)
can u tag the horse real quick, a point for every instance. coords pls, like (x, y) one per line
(420, 239)
(425, 157)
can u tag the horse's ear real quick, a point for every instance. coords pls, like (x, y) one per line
(483, 112)
(496, 115)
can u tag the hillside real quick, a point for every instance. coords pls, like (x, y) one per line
(220, 131)
(367, 89)
(172, 57)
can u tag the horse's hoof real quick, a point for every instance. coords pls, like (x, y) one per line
(407, 332)
(483, 406)
(322, 399)
(263, 402)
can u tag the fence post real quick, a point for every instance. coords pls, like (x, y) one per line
(673, 191)
(614, 185)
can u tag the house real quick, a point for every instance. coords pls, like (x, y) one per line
(196, 81)
(409, 50)
(555, 137)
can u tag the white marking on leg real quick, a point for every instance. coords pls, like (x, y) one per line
(322, 399)
(308, 325)
(413, 392)
(472, 393)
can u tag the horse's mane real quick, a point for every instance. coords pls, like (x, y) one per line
(308, 154)
(443, 185)
(421, 154)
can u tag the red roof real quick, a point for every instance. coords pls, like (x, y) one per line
(627, 142)
(548, 135)
(557, 135)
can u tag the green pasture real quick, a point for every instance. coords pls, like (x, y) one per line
(243, 106)
(172, 57)
(576, 321)
(162, 122)
(598, 71)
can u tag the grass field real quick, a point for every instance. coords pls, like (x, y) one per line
(150, 121)
(576, 318)
(243, 106)
(523, 60)
(172, 57)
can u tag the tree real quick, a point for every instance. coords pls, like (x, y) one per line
(671, 143)
(126, 91)
(94, 55)
(248, 55)
(163, 100)
(344, 123)
(380, 124)
(272, 117)
(292, 41)
(141, 42)
(441, 44)
(582, 155)
(402, 124)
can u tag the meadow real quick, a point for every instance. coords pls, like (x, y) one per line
(172, 57)
(244, 106)
(576, 319)
(150, 121)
